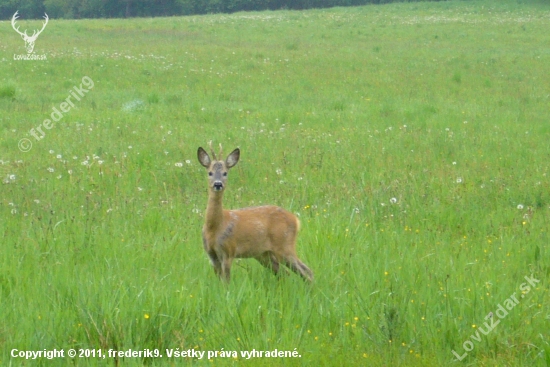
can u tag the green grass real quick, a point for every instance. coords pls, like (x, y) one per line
(411, 139)
(7, 91)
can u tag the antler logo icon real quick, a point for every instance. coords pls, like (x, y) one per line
(29, 40)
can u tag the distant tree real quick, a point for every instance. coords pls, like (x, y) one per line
(61, 8)
(167, 7)
(28, 9)
(113, 8)
(34, 9)
(91, 9)
(8, 8)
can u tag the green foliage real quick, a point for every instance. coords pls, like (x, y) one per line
(150, 8)
(411, 139)
(7, 91)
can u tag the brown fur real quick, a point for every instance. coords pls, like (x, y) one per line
(266, 233)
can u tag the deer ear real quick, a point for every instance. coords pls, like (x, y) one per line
(204, 159)
(233, 158)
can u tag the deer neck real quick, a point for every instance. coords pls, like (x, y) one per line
(214, 210)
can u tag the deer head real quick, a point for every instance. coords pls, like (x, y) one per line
(29, 40)
(217, 169)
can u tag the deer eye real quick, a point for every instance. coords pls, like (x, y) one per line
(210, 173)
(225, 173)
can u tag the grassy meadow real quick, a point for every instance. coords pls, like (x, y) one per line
(413, 141)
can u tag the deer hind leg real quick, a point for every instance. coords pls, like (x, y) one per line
(291, 260)
(298, 267)
(268, 260)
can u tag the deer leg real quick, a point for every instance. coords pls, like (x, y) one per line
(269, 261)
(299, 268)
(226, 269)
(215, 262)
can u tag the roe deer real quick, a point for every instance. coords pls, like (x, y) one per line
(266, 233)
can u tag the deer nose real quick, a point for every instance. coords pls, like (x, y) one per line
(218, 185)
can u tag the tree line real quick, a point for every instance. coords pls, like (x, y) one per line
(77, 9)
